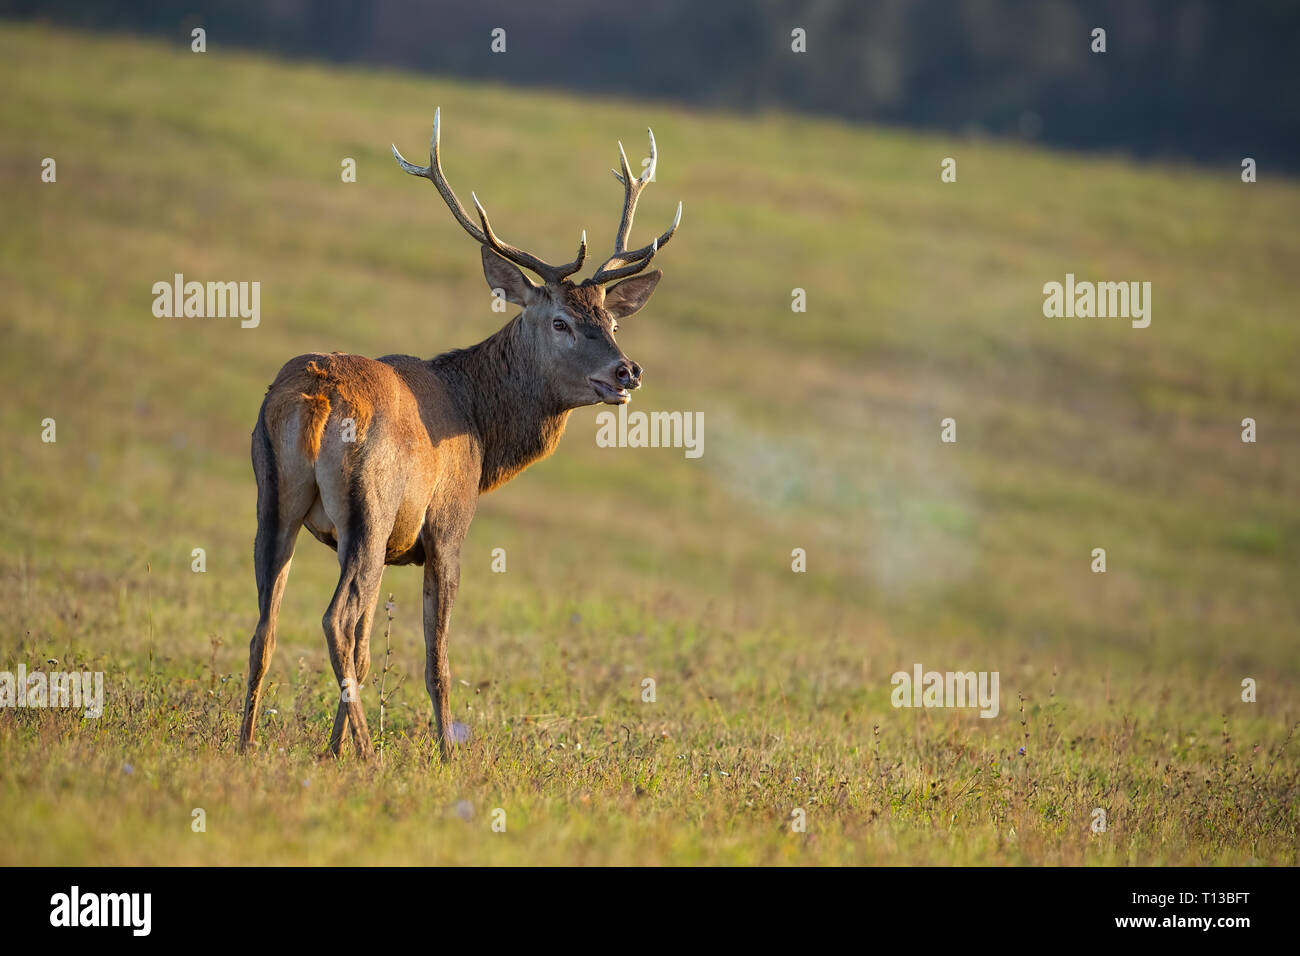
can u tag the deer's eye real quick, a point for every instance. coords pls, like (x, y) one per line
(616, 328)
(560, 325)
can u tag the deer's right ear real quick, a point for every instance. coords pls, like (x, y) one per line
(504, 275)
(627, 297)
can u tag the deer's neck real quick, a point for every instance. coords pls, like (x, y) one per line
(503, 395)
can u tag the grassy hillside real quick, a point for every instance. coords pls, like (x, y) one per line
(1120, 691)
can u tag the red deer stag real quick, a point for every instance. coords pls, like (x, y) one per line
(384, 459)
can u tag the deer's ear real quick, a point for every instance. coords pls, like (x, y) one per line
(506, 276)
(626, 298)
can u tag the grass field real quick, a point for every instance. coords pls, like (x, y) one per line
(1119, 691)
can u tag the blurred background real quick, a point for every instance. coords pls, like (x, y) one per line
(1180, 78)
(817, 172)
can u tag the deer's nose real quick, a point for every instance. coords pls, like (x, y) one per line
(628, 374)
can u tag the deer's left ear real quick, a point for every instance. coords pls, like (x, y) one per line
(504, 275)
(626, 298)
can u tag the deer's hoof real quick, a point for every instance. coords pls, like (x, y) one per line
(457, 734)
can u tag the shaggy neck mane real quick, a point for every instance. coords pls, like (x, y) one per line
(502, 394)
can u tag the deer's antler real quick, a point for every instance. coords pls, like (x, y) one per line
(624, 263)
(433, 172)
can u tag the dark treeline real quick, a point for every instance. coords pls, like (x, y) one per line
(1206, 80)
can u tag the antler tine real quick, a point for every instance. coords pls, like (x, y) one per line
(624, 263)
(581, 257)
(433, 172)
(654, 157)
(631, 193)
(569, 268)
(624, 177)
(519, 257)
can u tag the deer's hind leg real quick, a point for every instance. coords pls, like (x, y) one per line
(347, 623)
(283, 496)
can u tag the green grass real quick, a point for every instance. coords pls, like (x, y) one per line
(821, 432)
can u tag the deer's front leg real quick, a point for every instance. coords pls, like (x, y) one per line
(441, 581)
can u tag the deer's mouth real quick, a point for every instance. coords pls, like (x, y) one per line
(608, 393)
